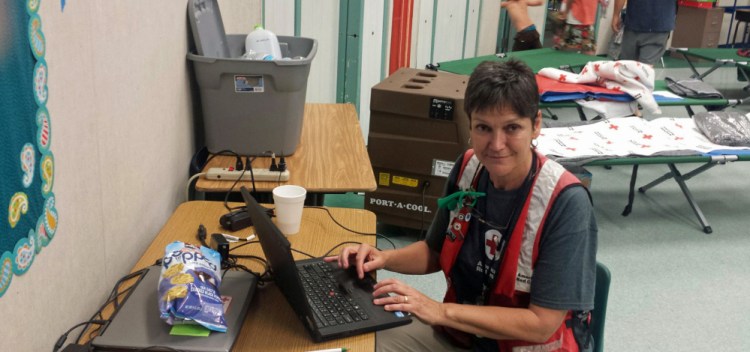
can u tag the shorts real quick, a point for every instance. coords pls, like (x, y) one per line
(578, 37)
(526, 40)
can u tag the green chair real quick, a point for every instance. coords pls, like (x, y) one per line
(601, 292)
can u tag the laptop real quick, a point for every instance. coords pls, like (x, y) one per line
(137, 325)
(310, 285)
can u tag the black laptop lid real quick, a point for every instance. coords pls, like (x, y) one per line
(279, 255)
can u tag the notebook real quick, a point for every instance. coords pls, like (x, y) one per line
(308, 294)
(137, 325)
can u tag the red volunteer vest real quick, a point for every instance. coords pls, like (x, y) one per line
(513, 284)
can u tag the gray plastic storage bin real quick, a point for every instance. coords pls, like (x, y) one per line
(249, 106)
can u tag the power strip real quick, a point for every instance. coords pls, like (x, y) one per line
(225, 174)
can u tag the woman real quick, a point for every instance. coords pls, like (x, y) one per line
(508, 210)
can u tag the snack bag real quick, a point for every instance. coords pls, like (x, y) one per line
(189, 286)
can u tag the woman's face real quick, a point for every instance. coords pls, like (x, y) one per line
(502, 142)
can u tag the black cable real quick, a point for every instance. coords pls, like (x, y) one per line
(226, 197)
(113, 297)
(350, 230)
(61, 340)
(242, 245)
(227, 152)
(338, 223)
(339, 245)
(387, 239)
(422, 234)
(249, 165)
(303, 253)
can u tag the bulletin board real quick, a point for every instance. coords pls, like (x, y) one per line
(27, 164)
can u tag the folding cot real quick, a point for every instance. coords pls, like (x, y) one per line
(547, 57)
(708, 162)
(719, 56)
(538, 59)
(634, 141)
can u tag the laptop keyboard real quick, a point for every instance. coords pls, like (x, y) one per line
(331, 306)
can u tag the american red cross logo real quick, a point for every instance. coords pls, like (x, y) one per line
(596, 67)
(492, 243)
(562, 78)
(613, 127)
(647, 136)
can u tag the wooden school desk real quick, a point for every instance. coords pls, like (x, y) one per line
(331, 157)
(271, 324)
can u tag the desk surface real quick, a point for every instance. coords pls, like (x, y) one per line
(271, 324)
(331, 156)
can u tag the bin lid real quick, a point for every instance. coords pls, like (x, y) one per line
(208, 28)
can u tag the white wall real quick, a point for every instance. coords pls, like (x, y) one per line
(122, 137)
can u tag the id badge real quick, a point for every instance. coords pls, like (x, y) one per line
(460, 224)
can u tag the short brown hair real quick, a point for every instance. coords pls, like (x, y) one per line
(495, 86)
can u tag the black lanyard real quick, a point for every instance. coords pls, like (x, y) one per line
(488, 280)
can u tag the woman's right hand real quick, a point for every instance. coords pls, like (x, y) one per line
(365, 258)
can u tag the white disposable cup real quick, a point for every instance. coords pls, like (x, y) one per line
(289, 201)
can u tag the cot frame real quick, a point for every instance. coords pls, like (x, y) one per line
(719, 56)
(708, 162)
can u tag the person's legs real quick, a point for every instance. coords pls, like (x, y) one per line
(651, 47)
(629, 46)
(577, 37)
(416, 336)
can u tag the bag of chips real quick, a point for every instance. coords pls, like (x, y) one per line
(189, 286)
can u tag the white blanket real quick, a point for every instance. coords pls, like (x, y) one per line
(627, 136)
(632, 77)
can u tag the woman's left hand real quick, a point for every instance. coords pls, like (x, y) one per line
(405, 298)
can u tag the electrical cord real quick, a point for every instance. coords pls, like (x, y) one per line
(303, 253)
(113, 299)
(227, 152)
(339, 245)
(226, 197)
(61, 340)
(231, 261)
(350, 230)
(338, 223)
(249, 165)
(189, 182)
(422, 233)
(97, 318)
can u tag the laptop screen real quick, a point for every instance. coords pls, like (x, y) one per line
(279, 255)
